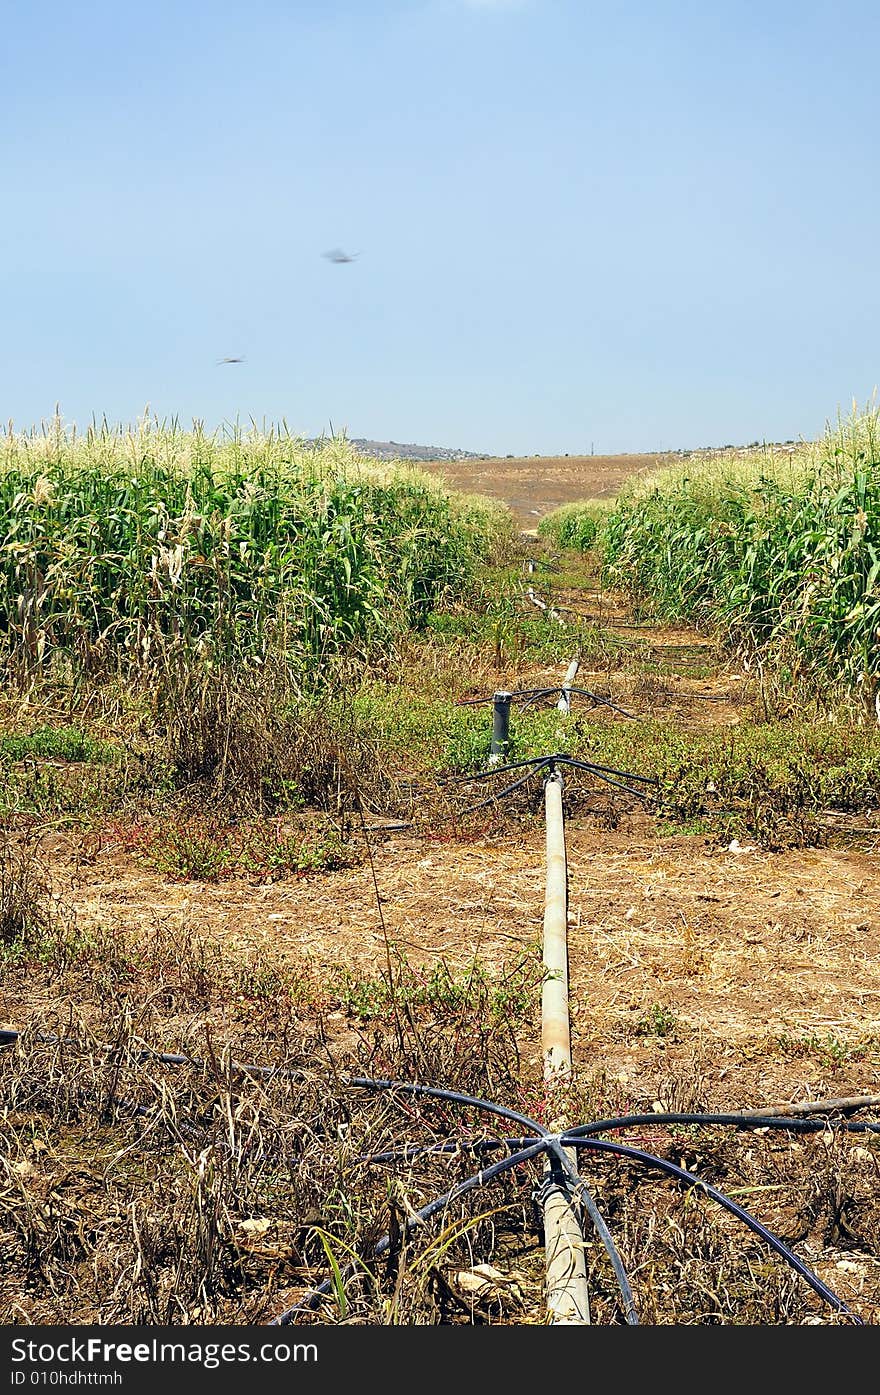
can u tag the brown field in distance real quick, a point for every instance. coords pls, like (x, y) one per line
(534, 485)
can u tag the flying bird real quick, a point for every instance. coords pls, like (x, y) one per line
(338, 256)
(230, 360)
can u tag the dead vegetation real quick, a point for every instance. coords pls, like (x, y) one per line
(136, 1192)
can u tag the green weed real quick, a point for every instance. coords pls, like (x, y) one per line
(658, 1021)
(448, 996)
(206, 850)
(829, 1049)
(55, 743)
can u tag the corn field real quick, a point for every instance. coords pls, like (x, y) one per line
(574, 525)
(777, 551)
(124, 547)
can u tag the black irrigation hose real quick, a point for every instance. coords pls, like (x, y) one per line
(573, 1137)
(600, 771)
(606, 702)
(8, 1037)
(502, 794)
(545, 1143)
(452, 1096)
(479, 1179)
(582, 1136)
(498, 770)
(682, 1175)
(511, 693)
(577, 1138)
(549, 1143)
(536, 697)
(741, 1121)
(424, 1150)
(561, 757)
(585, 1196)
(596, 699)
(534, 694)
(594, 770)
(610, 770)
(541, 762)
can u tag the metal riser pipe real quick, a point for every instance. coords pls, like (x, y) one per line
(500, 727)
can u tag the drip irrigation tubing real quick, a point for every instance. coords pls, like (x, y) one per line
(543, 1143)
(542, 1140)
(612, 770)
(8, 1037)
(581, 1139)
(584, 692)
(511, 693)
(539, 763)
(746, 1119)
(550, 764)
(539, 1141)
(573, 1137)
(682, 1175)
(561, 756)
(496, 770)
(424, 1213)
(555, 1143)
(535, 694)
(740, 1121)
(424, 1150)
(508, 789)
(596, 770)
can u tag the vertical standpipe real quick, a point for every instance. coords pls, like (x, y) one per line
(500, 727)
(567, 1295)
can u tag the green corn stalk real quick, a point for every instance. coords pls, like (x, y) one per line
(129, 551)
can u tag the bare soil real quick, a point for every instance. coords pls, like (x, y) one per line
(533, 485)
(754, 954)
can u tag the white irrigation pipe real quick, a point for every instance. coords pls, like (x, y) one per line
(555, 1029)
(564, 703)
(542, 605)
(567, 1296)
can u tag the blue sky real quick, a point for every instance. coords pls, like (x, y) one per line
(628, 226)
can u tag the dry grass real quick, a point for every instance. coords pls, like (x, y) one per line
(137, 1193)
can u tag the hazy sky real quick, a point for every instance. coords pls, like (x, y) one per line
(628, 225)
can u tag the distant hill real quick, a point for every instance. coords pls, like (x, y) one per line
(395, 450)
